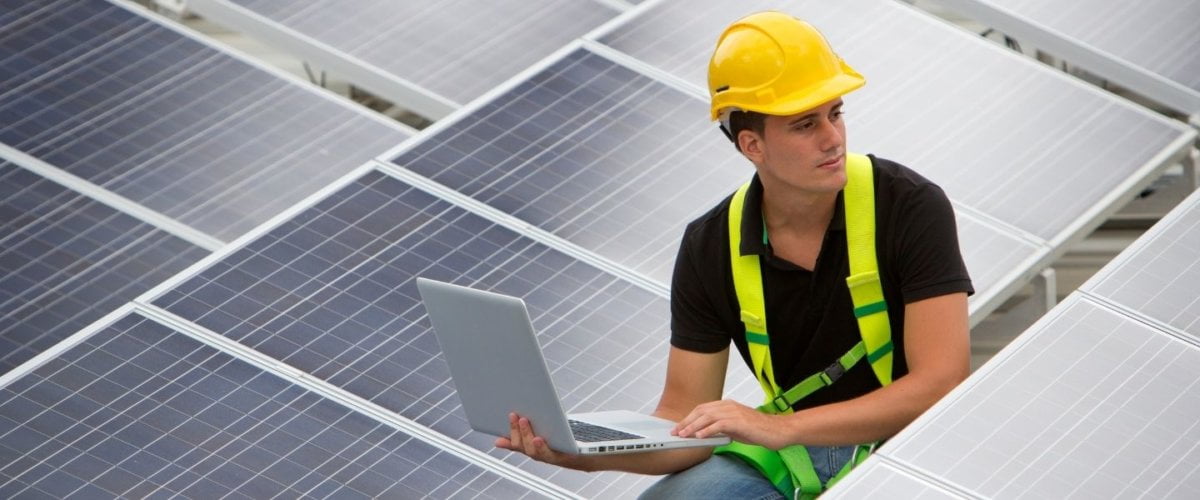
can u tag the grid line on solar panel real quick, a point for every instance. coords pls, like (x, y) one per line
(177, 125)
(67, 260)
(1093, 402)
(592, 152)
(331, 293)
(141, 409)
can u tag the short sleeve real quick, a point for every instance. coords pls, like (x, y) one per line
(695, 325)
(929, 260)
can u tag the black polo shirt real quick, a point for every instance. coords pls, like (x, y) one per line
(809, 312)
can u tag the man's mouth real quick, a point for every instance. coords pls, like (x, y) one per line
(831, 163)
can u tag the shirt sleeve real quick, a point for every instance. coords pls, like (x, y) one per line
(930, 262)
(694, 322)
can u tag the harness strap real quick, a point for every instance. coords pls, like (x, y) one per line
(791, 469)
(866, 291)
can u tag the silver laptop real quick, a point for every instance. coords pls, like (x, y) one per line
(498, 368)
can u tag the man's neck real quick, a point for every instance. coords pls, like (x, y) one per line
(797, 212)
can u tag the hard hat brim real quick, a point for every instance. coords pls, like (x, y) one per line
(806, 99)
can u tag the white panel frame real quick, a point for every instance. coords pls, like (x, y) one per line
(1128, 74)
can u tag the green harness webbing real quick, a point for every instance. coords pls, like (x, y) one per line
(791, 469)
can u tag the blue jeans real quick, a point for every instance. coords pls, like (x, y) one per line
(726, 476)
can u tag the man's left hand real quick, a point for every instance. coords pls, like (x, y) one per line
(738, 421)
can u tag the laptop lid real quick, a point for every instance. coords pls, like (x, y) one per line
(495, 360)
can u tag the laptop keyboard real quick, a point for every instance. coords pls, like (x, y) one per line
(590, 433)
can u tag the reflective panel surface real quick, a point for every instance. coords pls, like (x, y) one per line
(168, 122)
(140, 410)
(66, 260)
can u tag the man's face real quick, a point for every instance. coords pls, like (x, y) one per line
(805, 151)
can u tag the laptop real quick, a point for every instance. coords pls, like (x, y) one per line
(497, 366)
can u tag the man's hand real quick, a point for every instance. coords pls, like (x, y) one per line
(522, 440)
(736, 420)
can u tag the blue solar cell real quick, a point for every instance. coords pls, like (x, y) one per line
(356, 322)
(168, 122)
(201, 423)
(66, 260)
(594, 152)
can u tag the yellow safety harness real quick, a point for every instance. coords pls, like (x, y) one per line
(791, 469)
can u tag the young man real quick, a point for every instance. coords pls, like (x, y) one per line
(777, 88)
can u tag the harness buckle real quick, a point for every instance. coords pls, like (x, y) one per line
(781, 405)
(833, 372)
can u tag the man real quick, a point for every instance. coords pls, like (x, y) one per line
(777, 88)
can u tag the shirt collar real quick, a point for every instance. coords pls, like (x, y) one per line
(754, 230)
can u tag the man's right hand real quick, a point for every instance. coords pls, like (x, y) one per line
(522, 439)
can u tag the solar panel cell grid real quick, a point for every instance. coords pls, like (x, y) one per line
(170, 123)
(141, 410)
(1067, 396)
(331, 292)
(66, 260)
(594, 152)
(1159, 279)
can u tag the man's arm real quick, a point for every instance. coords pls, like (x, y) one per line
(937, 347)
(692, 378)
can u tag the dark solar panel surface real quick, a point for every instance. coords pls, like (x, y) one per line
(142, 411)
(163, 120)
(66, 260)
(332, 293)
(594, 152)
(458, 49)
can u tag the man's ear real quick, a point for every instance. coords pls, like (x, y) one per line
(751, 144)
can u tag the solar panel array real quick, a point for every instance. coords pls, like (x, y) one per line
(1096, 399)
(297, 360)
(332, 293)
(1150, 47)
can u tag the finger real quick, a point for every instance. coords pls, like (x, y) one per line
(514, 432)
(504, 443)
(527, 436)
(544, 453)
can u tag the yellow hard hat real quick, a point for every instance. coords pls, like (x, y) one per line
(773, 63)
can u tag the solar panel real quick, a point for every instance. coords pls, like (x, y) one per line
(1089, 402)
(1158, 276)
(140, 410)
(1002, 134)
(593, 152)
(67, 260)
(332, 292)
(876, 478)
(1150, 47)
(452, 50)
(169, 122)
